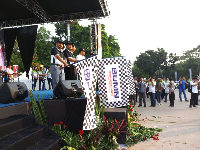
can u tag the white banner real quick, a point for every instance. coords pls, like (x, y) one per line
(113, 82)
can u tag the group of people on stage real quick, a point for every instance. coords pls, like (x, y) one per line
(62, 59)
(160, 88)
(7, 75)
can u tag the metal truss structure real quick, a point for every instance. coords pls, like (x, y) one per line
(44, 17)
(93, 36)
(36, 9)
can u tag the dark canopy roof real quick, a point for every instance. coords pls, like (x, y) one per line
(25, 12)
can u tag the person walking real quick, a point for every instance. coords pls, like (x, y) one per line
(152, 84)
(158, 91)
(171, 92)
(182, 89)
(142, 91)
(194, 94)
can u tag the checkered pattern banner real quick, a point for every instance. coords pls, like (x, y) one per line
(112, 82)
(132, 90)
(87, 70)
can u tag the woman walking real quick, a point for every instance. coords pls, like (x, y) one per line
(171, 91)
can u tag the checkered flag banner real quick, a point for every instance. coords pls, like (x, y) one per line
(113, 82)
(87, 70)
(130, 79)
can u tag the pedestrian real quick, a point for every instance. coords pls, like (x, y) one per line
(181, 87)
(163, 88)
(152, 84)
(40, 76)
(158, 90)
(171, 92)
(136, 87)
(49, 78)
(194, 94)
(166, 89)
(141, 92)
(35, 77)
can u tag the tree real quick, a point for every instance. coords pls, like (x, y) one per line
(80, 36)
(43, 46)
(147, 62)
(16, 57)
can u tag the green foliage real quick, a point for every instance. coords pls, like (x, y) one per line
(74, 141)
(147, 62)
(43, 113)
(16, 57)
(43, 47)
(81, 37)
(39, 114)
(59, 128)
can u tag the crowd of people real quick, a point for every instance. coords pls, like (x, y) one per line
(7, 75)
(158, 89)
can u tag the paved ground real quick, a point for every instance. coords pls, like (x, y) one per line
(180, 124)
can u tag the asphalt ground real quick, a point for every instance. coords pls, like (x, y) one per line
(180, 124)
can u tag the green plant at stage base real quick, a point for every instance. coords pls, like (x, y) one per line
(136, 132)
(38, 110)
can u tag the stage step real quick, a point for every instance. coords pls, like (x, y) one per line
(49, 143)
(15, 123)
(23, 139)
(22, 132)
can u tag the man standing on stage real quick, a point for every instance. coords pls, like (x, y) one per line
(70, 73)
(81, 55)
(56, 63)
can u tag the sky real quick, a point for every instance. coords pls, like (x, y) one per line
(141, 25)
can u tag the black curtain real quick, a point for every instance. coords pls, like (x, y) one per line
(9, 39)
(26, 37)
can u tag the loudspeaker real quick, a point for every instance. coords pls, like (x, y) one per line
(68, 88)
(11, 92)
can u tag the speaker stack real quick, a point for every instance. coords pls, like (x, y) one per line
(68, 88)
(11, 92)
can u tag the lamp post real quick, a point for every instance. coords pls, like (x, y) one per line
(159, 61)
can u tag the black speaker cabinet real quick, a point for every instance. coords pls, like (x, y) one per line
(11, 92)
(68, 88)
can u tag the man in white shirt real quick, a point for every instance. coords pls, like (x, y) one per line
(194, 94)
(152, 84)
(81, 55)
(57, 61)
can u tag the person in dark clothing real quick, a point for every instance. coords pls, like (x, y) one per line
(141, 92)
(70, 73)
(171, 91)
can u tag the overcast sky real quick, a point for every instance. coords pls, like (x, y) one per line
(140, 25)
